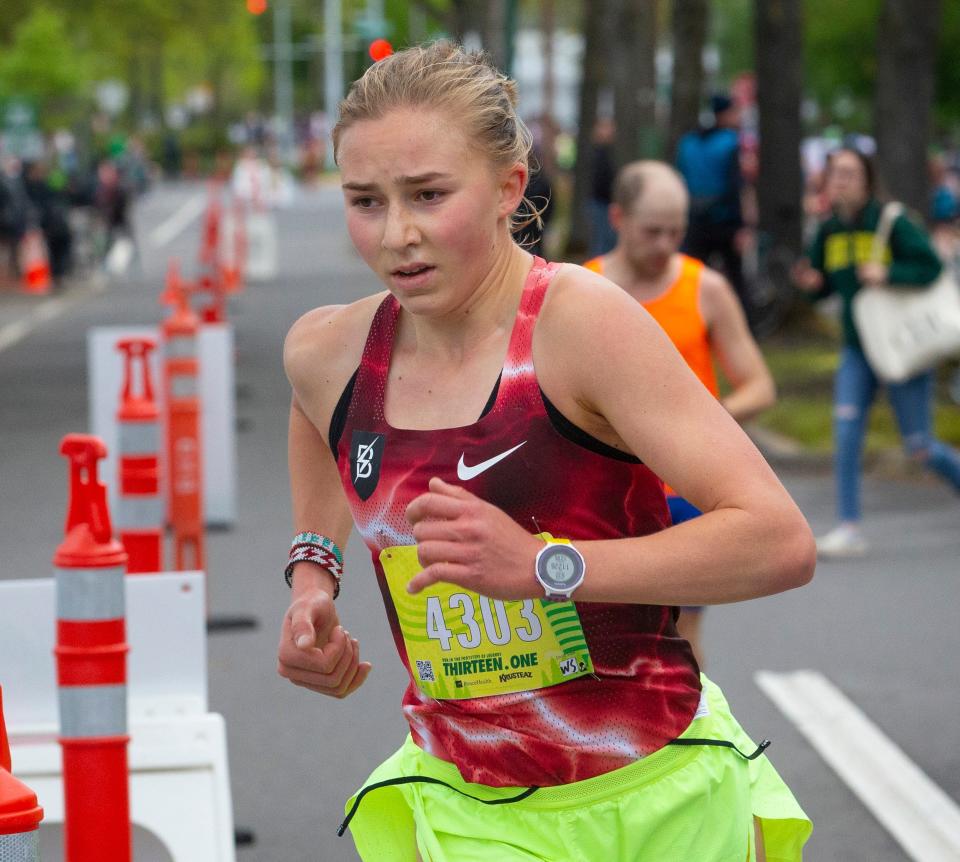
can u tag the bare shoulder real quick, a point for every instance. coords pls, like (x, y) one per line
(717, 297)
(589, 330)
(584, 307)
(323, 349)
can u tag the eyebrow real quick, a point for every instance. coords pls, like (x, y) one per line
(419, 179)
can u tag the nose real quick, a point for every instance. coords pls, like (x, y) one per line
(666, 243)
(399, 230)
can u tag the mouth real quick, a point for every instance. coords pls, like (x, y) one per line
(411, 270)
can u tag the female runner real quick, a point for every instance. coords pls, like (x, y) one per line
(494, 426)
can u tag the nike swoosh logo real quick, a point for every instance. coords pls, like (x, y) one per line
(464, 473)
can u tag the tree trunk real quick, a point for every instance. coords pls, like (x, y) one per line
(548, 26)
(593, 72)
(906, 52)
(634, 45)
(158, 94)
(689, 29)
(492, 29)
(779, 63)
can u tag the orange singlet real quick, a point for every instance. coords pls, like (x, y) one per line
(677, 310)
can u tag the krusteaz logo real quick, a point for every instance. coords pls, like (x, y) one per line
(565, 622)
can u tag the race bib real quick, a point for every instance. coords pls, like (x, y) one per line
(463, 645)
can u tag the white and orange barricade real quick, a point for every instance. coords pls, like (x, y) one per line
(91, 654)
(139, 510)
(35, 263)
(235, 263)
(181, 396)
(210, 245)
(20, 815)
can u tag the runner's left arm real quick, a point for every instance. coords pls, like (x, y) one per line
(635, 393)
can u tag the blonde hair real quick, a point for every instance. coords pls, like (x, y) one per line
(443, 76)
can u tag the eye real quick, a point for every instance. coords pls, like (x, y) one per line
(363, 203)
(430, 195)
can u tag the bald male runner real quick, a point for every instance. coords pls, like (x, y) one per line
(694, 304)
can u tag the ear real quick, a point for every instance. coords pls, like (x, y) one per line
(615, 216)
(513, 183)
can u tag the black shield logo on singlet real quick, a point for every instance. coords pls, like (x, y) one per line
(366, 453)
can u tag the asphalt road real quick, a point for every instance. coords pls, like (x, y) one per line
(883, 629)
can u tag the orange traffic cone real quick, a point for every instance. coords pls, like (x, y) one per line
(20, 815)
(35, 264)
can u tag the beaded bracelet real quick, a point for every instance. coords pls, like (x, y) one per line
(314, 548)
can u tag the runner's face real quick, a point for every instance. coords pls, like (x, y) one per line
(425, 209)
(652, 231)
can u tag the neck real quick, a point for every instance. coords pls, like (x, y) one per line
(484, 315)
(849, 211)
(638, 280)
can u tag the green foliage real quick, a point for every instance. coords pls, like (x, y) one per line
(44, 66)
(731, 30)
(840, 47)
(948, 69)
(221, 51)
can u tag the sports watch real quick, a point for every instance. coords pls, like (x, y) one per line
(559, 568)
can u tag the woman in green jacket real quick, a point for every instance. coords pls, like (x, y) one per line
(839, 263)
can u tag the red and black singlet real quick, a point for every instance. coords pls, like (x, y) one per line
(646, 685)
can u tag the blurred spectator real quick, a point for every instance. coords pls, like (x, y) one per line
(709, 161)
(944, 208)
(696, 307)
(112, 203)
(134, 167)
(171, 156)
(51, 211)
(14, 213)
(839, 262)
(260, 183)
(602, 237)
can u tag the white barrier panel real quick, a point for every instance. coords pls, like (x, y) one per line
(179, 776)
(166, 630)
(261, 245)
(217, 405)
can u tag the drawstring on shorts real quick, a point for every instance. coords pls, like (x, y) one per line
(424, 779)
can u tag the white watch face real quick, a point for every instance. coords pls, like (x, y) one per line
(560, 567)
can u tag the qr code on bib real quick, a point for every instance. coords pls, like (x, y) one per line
(425, 670)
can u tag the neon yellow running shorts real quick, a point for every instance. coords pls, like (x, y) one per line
(684, 803)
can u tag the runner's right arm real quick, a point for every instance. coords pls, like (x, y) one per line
(315, 651)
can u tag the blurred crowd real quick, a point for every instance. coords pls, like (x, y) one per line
(82, 211)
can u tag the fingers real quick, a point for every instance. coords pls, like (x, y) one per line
(434, 505)
(438, 486)
(312, 620)
(442, 531)
(442, 552)
(454, 573)
(313, 672)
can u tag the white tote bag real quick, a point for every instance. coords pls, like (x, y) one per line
(906, 330)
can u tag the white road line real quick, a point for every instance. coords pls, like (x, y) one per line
(15, 332)
(916, 812)
(167, 230)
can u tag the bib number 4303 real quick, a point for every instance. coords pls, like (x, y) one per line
(493, 624)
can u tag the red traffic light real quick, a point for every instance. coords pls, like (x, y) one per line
(379, 49)
(256, 7)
